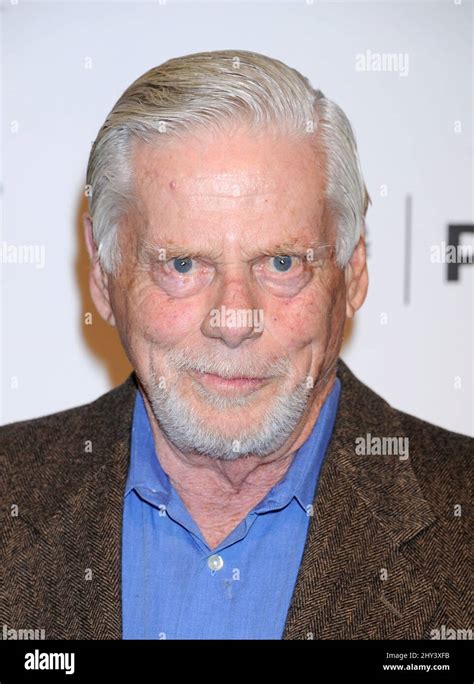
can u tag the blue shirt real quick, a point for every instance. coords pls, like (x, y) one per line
(175, 587)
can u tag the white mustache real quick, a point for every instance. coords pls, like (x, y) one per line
(228, 369)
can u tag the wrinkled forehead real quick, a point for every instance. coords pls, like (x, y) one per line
(226, 184)
(233, 189)
(254, 170)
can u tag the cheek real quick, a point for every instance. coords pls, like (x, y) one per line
(162, 320)
(306, 319)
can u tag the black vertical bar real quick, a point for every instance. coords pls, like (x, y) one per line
(407, 264)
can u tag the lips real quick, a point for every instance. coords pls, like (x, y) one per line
(237, 383)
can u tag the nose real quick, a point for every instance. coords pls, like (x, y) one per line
(235, 315)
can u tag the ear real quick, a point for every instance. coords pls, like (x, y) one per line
(98, 279)
(357, 278)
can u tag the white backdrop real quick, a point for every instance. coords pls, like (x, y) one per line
(66, 63)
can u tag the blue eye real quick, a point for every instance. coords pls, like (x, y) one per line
(282, 263)
(183, 265)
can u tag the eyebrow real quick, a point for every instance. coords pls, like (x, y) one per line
(150, 252)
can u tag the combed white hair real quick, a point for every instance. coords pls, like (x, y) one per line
(214, 91)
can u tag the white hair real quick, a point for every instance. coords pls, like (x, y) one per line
(213, 91)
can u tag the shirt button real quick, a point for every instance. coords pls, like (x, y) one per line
(215, 562)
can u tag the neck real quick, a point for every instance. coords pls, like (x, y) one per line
(219, 494)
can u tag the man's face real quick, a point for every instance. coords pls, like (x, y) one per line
(214, 282)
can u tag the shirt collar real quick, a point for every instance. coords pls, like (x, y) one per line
(145, 471)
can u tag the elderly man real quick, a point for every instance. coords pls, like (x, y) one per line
(241, 483)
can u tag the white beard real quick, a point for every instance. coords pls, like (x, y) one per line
(183, 427)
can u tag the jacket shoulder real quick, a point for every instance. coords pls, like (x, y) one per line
(433, 438)
(45, 440)
(440, 440)
(441, 459)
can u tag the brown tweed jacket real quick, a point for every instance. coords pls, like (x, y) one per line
(387, 552)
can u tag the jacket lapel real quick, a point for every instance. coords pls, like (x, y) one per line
(96, 591)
